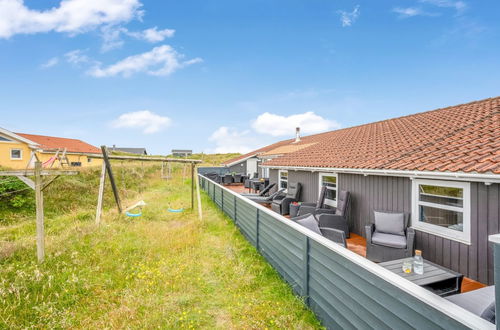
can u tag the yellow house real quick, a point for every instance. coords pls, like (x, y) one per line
(20, 150)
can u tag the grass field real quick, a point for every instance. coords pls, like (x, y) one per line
(162, 270)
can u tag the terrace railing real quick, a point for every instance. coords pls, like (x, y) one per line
(344, 289)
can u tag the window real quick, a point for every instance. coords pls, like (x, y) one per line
(89, 160)
(16, 154)
(283, 180)
(442, 208)
(265, 172)
(329, 180)
(76, 164)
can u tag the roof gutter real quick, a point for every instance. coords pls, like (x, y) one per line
(459, 176)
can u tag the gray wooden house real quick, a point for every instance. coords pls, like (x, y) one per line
(442, 166)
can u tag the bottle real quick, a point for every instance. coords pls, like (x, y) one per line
(418, 263)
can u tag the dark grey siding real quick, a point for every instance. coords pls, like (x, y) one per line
(309, 181)
(273, 176)
(239, 168)
(394, 193)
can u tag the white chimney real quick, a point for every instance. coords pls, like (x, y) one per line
(297, 134)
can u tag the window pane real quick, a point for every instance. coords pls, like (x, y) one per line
(443, 218)
(283, 184)
(16, 153)
(329, 181)
(442, 195)
(331, 194)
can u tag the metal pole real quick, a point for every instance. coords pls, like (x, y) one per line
(192, 185)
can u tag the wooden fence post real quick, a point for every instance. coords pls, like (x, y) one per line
(200, 213)
(192, 186)
(101, 194)
(111, 178)
(40, 234)
(305, 269)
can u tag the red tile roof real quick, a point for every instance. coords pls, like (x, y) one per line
(462, 138)
(51, 142)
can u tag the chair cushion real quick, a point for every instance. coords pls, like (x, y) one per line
(390, 223)
(310, 223)
(489, 313)
(479, 301)
(394, 241)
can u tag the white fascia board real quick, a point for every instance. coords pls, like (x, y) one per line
(458, 176)
(31, 144)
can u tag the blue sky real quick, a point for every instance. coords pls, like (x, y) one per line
(217, 75)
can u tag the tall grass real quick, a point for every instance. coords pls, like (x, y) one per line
(161, 270)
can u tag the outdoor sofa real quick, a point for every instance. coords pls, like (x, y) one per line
(389, 238)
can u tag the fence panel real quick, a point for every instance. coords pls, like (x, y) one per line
(343, 289)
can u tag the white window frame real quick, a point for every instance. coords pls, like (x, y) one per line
(455, 235)
(20, 154)
(265, 172)
(329, 202)
(279, 179)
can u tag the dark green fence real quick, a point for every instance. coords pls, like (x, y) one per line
(344, 289)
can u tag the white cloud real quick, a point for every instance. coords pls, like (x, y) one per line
(229, 139)
(112, 36)
(411, 12)
(348, 18)
(50, 63)
(76, 57)
(146, 120)
(276, 125)
(153, 35)
(160, 61)
(459, 6)
(71, 16)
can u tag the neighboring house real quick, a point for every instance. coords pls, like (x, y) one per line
(17, 150)
(181, 152)
(250, 163)
(136, 151)
(442, 166)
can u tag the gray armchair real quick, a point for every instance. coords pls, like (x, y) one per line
(227, 179)
(310, 222)
(237, 178)
(281, 205)
(318, 207)
(338, 220)
(389, 238)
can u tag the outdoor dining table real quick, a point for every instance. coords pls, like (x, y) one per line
(437, 279)
(256, 184)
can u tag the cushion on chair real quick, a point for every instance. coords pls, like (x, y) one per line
(310, 223)
(342, 201)
(394, 241)
(390, 223)
(476, 301)
(321, 197)
(489, 313)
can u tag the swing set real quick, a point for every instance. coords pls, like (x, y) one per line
(137, 207)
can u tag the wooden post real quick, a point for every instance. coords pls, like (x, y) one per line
(111, 178)
(192, 185)
(200, 213)
(40, 235)
(101, 194)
